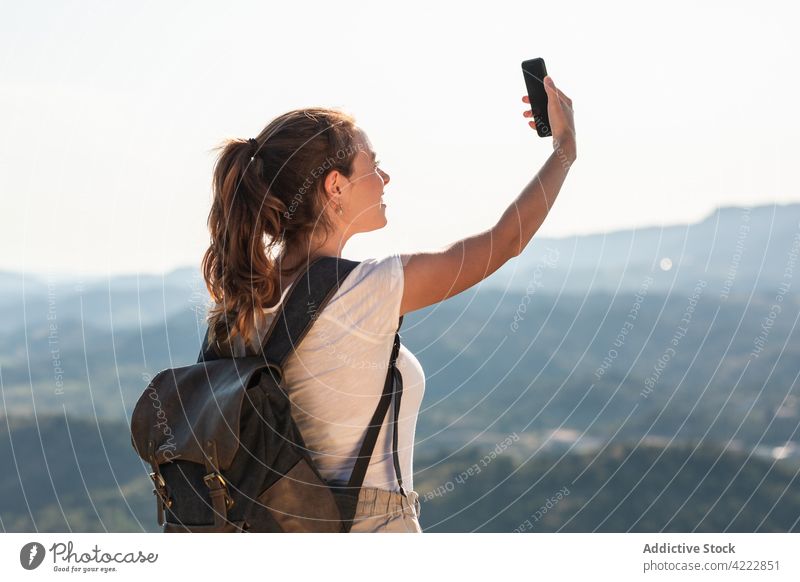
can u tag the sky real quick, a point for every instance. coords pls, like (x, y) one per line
(109, 113)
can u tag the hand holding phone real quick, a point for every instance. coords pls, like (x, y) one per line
(550, 108)
(534, 72)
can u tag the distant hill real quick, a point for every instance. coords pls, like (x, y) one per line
(592, 340)
(569, 366)
(121, 302)
(73, 475)
(744, 248)
(622, 488)
(498, 361)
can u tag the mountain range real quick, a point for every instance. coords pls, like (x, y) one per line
(648, 343)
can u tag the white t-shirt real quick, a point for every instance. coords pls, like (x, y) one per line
(335, 378)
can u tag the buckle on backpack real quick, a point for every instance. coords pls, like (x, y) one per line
(158, 480)
(161, 489)
(220, 484)
(214, 475)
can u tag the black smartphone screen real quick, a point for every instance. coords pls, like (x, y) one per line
(534, 72)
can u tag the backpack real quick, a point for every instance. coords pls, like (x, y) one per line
(225, 452)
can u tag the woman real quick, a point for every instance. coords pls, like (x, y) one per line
(299, 190)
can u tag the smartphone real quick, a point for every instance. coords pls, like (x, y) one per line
(534, 72)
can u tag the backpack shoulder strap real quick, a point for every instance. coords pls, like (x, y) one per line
(308, 294)
(392, 389)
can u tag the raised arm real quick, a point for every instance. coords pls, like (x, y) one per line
(431, 277)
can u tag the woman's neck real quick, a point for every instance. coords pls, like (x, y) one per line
(293, 260)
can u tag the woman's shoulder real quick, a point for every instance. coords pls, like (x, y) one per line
(369, 297)
(377, 271)
(367, 300)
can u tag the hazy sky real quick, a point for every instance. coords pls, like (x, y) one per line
(109, 112)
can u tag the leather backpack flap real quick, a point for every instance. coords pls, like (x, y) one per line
(183, 409)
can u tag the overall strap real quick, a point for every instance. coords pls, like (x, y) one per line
(398, 393)
(392, 387)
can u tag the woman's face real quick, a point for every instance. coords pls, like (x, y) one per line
(363, 209)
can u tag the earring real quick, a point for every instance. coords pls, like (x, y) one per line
(339, 210)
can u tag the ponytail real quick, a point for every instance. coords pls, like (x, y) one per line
(267, 198)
